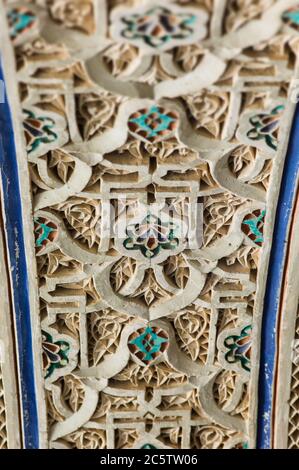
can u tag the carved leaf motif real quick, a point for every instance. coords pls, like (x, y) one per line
(208, 111)
(83, 217)
(87, 439)
(53, 413)
(171, 436)
(113, 404)
(96, 112)
(39, 49)
(72, 322)
(62, 163)
(241, 158)
(157, 374)
(119, 58)
(224, 387)
(177, 269)
(126, 438)
(211, 437)
(190, 399)
(105, 328)
(188, 57)
(121, 272)
(72, 391)
(247, 256)
(192, 327)
(242, 409)
(150, 290)
(240, 12)
(52, 262)
(218, 213)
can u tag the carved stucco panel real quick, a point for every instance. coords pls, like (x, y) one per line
(150, 325)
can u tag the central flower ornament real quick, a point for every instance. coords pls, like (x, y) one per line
(159, 28)
(54, 353)
(239, 348)
(148, 343)
(153, 124)
(38, 130)
(151, 235)
(266, 126)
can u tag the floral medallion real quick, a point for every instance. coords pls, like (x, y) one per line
(239, 348)
(38, 130)
(148, 343)
(153, 124)
(45, 232)
(266, 126)
(159, 28)
(151, 235)
(55, 354)
(253, 225)
(21, 20)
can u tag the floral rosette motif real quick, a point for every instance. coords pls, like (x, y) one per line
(54, 354)
(239, 347)
(150, 236)
(148, 344)
(153, 124)
(158, 28)
(265, 126)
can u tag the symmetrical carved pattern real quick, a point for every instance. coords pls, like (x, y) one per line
(130, 116)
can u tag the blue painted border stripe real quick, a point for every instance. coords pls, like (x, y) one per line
(16, 248)
(274, 285)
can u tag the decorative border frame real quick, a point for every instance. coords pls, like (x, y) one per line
(274, 289)
(18, 269)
